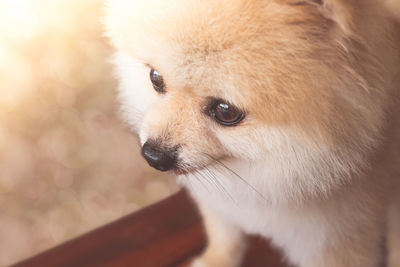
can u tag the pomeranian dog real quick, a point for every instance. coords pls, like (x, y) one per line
(281, 117)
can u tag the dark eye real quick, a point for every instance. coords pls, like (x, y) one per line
(226, 114)
(157, 80)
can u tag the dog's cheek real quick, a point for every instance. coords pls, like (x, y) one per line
(247, 142)
(135, 93)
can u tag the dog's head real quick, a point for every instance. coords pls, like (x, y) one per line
(290, 83)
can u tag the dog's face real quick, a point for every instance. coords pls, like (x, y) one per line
(272, 81)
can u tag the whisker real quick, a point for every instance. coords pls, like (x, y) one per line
(200, 180)
(236, 175)
(219, 184)
(204, 177)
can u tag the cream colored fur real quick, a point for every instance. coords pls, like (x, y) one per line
(315, 164)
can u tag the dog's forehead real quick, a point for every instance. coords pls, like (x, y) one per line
(177, 34)
(201, 27)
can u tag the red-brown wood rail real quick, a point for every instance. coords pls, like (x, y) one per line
(168, 233)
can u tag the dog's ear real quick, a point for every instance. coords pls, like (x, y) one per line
(342, 12)
(394, 7)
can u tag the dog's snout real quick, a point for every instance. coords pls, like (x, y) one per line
(159, 158)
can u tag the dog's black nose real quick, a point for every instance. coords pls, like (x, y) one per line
(161, 159)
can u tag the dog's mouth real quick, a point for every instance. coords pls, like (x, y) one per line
(185, 168)
(179, 171)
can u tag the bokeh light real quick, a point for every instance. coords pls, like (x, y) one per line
(67, 163)
(18, 19)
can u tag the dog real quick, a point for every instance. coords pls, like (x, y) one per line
(281, 118)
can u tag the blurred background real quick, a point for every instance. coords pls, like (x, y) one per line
(67, 163)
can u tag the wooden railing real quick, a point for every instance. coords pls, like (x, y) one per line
(168, 233)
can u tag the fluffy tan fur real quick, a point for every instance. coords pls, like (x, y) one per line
(319, 82)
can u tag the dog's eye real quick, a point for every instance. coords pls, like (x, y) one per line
(226, 114)
(157, 80)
